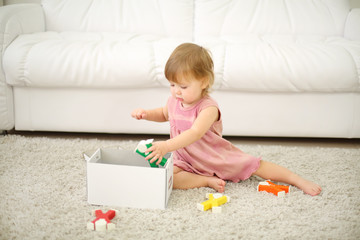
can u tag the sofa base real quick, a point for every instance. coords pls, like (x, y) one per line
(335, 115)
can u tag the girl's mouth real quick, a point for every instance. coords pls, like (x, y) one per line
(180, 99)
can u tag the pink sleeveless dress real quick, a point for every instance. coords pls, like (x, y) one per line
(211, 155)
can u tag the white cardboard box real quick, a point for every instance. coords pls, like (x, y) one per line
(123, 178)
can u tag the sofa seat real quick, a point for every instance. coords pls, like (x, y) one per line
(251, 63)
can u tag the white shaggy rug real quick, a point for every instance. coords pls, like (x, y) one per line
(43, 196)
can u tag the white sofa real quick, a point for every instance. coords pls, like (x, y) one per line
(283, 67)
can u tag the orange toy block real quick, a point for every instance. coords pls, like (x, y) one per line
(270, 187)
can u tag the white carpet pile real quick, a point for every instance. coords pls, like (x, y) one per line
(43, 196)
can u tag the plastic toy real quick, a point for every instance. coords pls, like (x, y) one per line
(270, 187)
(143, 146)
(102, 222)
(214, 202)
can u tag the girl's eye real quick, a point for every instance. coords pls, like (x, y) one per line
(183, 87)
(172, 85)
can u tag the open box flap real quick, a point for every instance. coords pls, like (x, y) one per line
(90, 154)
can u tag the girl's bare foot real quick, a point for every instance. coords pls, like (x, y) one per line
(309, 187)
(268, 170)
(217, 184)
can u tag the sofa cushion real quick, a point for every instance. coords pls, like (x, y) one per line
(286, 64)
(251, 63)
(90, 60)
(171, 18)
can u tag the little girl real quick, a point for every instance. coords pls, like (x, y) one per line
(202, 158)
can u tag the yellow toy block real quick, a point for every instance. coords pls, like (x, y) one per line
(214, 202)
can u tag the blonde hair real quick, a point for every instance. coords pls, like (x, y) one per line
(190, 60)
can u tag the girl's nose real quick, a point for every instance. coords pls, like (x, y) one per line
(177, 90)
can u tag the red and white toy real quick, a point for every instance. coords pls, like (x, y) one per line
(102, 222)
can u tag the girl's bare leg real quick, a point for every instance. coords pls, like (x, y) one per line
(187, 180)
(268, 170)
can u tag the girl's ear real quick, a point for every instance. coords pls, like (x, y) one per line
(205, 83)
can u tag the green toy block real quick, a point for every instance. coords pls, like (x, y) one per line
(147, 144)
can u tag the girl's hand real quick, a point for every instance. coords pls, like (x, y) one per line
(158, 149)
(139, 113)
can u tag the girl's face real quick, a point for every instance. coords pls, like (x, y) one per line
(188, 91)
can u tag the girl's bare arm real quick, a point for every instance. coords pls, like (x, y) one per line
(201, 125)
(156, 115)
